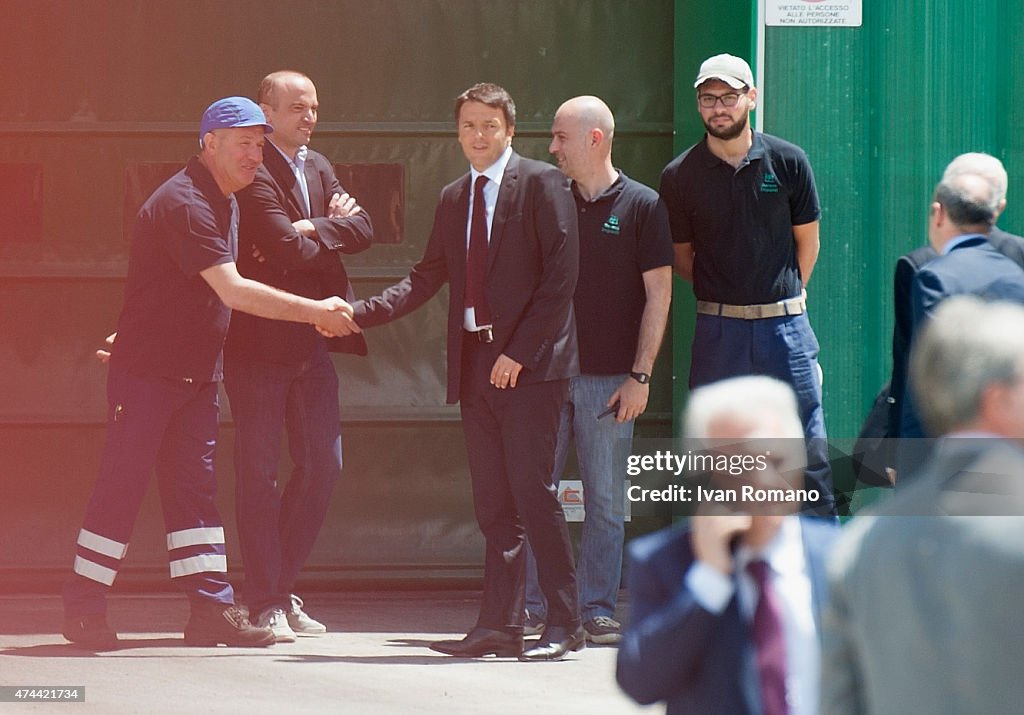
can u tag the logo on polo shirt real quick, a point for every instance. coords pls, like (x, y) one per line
(769, 184)
(611, 225)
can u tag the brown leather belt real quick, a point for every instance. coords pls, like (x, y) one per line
(791, 306)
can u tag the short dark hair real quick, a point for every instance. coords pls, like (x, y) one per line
(493, 96)
(967, 207)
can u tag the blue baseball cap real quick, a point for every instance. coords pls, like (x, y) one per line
(233, 112)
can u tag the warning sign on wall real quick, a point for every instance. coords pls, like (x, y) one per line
(812, 13)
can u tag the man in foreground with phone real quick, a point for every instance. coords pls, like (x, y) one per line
(723, 610)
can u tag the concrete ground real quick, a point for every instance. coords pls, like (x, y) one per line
(374, 660)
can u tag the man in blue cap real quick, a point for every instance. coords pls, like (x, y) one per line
(181, 287)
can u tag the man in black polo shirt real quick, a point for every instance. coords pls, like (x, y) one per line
(744, 213)
(621, 301)
(162, 388)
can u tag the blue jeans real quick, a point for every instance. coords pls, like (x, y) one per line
(601, 448)
(784, 348)
(277, 530)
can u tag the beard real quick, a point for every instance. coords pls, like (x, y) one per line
(730, 132)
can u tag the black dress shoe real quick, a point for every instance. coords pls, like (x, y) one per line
(480, 642)
(90, 631)
(556, 642)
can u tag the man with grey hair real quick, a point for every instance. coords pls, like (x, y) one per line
(963, 210)
(723, 616)
(991, 169)
(945, 582)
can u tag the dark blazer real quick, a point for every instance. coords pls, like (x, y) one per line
(309, 267)
(972, 267)
(674, 650)
(533, 262)
(907, 267)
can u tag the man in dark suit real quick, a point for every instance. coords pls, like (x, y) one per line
(945, 583)
(991, 169)
(295, 221)
(505, 239)
(724, 612)
(963, 211)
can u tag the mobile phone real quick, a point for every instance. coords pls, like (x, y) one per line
(610, 411)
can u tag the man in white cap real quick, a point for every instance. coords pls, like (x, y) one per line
(744, 214)
(181, 287)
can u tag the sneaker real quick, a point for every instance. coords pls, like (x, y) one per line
(603, 630)
(90, 631)
(277, 622)
(533, 625)
(300, 621)
(213, 623)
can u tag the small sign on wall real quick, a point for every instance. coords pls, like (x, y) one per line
(570, 494)
(812, 13)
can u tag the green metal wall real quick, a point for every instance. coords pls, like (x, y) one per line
(881, 109)
(701, 30)
(93, 88)
(96, 86)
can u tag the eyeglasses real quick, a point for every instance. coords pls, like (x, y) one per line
(708, 101)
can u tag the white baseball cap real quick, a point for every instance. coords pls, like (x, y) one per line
(732, 70)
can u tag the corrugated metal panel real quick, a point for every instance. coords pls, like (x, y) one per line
(881, 109)
(97, 86)
(701, 30)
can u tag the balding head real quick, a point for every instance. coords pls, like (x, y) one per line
(271, 86)
(969, 201)
(591, 113)
(581, 141)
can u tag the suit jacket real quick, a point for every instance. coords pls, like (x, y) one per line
(675, 650)
(972, 267)
(309, 267)
(907, 267)
(532, 266)
(923, 615)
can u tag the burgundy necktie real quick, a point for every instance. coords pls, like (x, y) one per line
(769, 641)
(476, 260)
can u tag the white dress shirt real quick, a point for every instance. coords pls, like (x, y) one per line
(494, 173)
(298, 168)
(792, 583)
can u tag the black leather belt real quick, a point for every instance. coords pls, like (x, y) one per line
(484, 335)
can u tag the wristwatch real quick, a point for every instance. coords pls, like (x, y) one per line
(642, 377)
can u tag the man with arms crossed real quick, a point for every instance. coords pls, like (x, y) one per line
(295, 220)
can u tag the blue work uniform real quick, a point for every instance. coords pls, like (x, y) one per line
(162, 396)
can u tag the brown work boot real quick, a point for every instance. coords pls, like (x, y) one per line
(214, 623)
